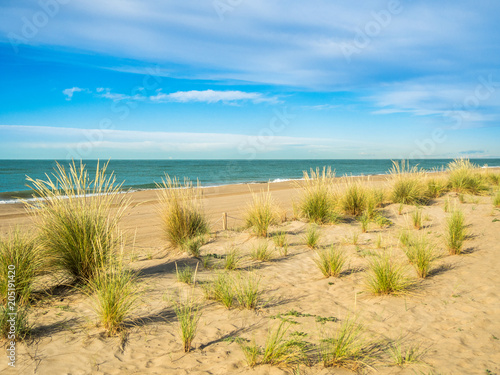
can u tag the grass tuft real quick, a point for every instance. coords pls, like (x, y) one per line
(465, 177)
(78, 217)
(421, 255)
(220, 289)
(188, 314)
(387, 277)
(311, 237)
(401, 357)
(185, 274)
(261, 252)
(408, 185)
(25, 259)
(232, 259)
(261, 213)
(331, 261)
(281, 351)
(317, 203)
(16, 329)
(496, 199)
(455, 232)
(248, 292)
(354, 199)
(181, 211)
(416, 218)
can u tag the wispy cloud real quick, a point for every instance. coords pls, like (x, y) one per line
(69, 92)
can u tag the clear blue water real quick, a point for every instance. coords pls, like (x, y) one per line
(144, 174)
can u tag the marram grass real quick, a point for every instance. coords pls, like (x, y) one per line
(465, 177)
(25, 259)
(331, 261)
(77, 217)
(261, 213)
(188, 315)
(408, 184)
(354, 199)
(387, 277)
(455, 232)
(317, 202)
(181, 211)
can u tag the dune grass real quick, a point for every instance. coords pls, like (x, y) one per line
(493, 178)
(181, 211)
(317, 203)
(192, 246)
(331, 261)
(282, 351)
(496, 199)
(455, 232)
(261, 213)
(387, 277)
(416, 218)
(403, 356)
(114, 291)
(232, 259)
(281, 242)
(247, 290)
(421, 255)
(251, 352)
(312, 237)
(77, 218)
(347, 347)
(436, 187)
(184, 274)
(408, 184)
(25, 259)
(221, 289)
(261, 252)
(365, 222)
(466, 177)
(188, 315)
(354, 198)
(14, 328)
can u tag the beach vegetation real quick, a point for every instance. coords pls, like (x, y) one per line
(21, 327)
(331, 261)
(466, 178)
(416, 218)
(408, 184)
(421, 255)
(387, 277)
(220, 289)
(261, 252)
(279, 350)
(248, 291)
(261, 213)
(184, 274)
(312, 237)
(455, 232)
(188, 314)
(354, 199)
(317, 202)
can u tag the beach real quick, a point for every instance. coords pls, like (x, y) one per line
(451, 316)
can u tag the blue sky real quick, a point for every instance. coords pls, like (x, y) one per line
(249, 79)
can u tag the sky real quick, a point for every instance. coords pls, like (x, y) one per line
(249, 79)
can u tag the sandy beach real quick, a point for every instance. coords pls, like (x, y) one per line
(452, 316)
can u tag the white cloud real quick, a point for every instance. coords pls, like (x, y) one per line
(211, 96)
(69, 92)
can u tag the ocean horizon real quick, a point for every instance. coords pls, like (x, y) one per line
(146, 174)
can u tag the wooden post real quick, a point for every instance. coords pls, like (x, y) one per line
(224, 221)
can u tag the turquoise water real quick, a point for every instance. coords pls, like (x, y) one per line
(143, 174)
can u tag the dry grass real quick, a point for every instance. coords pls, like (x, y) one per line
(466, 177)
(181, 211)
(261, 213)
(408, 184)
(317, 203)
(353, 200)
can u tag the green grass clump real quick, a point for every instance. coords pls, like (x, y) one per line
(78, 218)
(188, 314)
(331, 261)
(181, 211)
(436, 187)
(416, 218)
(347, 347)
(401, 357)
(185, 274)
(261, 252)
(408, 186)
(248, 292)
(25, 259)
(365, 221)
(455, 232)
(232, 259)
(261, 213)
(466, 178)
(192, 246)
(312, 236)
(252, 352)
(282, 351)
(496, 199)
(115, 292)
(387, 277)
(421, 255)
(220, 289)
(281, 242)
(493, 178)
(354, 199)
(21, 328)
(317, 203)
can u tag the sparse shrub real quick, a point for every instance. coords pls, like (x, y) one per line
(114, 291)
(354, 199)
(461, 197)
(416, 218)
(312, 237)
(387, 277)
(455, 232)
(317, 203)
(408, 186)
(421, 255)
(78, 217)
(465, 177)
(261, 213)
(21, 328)
(281, 351)
(188, 314)
(347, 347)
(22, 258)
(382, 221)
(331, 261)
(261, 252)
(248, 292)
(181, 211)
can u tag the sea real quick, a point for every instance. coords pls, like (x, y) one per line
(146, 174)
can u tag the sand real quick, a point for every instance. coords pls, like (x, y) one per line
(453, 316)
